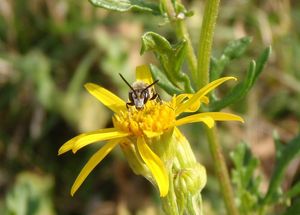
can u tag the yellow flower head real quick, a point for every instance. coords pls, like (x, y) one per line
(141, 126)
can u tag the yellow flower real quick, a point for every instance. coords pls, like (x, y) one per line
(139, 128)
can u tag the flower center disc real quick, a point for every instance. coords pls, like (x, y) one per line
(154, 117)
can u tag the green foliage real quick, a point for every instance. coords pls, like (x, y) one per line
(234, 50)
(49, 49)
(294, 209)
(171, 58)
(249, 197)
(49, 96)
(164, 82)
(284, 155)
(241, 89)
(127, 5)
(243, 176)
(31, 195)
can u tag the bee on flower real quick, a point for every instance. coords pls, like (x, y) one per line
(146, 130)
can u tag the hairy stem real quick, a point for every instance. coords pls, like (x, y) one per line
(204, 55)
(221, 171)
(205, 41)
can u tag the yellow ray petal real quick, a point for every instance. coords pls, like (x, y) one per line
(67, 146)
(106, 97)
(220, 116)
(202, 117)
(181, 98)
(143, 74)
(92, 163)
(155, 165)
(96, 136)
(202, 92)
(71, 143)
(195, 118)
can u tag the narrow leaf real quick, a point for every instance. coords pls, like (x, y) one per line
(238, 92)
(294, 191)
(260, 63)
(241, 89)
(289, 152)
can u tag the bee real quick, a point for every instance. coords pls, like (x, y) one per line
(140, 93)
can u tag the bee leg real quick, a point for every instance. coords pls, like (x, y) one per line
(156, 96)
(131, 103)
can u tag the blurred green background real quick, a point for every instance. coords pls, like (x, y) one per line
(49, 49)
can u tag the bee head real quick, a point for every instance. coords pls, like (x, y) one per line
(139, 97)
(139, 94)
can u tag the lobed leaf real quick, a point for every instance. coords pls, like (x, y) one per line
(247, 185)
(171, 58)
(235, 49)
(127, 5)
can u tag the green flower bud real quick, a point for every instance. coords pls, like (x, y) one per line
(190, 180)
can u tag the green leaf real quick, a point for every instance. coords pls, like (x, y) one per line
(127, 5)
(30, 194)
(261, 62)
(80, 74)
(235, 49)
(238, 92)
(247, 184)
(154, 42)
(242, 89)
(38, 67)
(171, 58)
(284, 155)
(164, 82)
(294, 191)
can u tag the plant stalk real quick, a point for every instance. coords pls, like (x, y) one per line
(204, 54)
(221, 171)
(182, 33)
(205, 41)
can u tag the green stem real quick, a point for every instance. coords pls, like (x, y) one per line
(191, 57)
(204, 55)
(182, 33)
(205, 41)
(221, 171)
